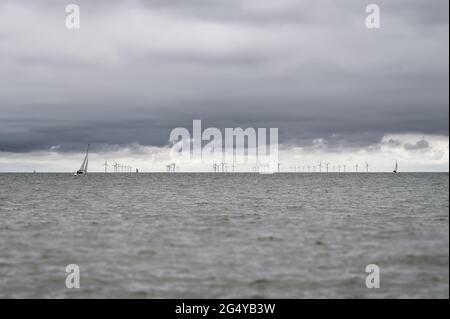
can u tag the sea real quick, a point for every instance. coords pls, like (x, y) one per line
(224, 235)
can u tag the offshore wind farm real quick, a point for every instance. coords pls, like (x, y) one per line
(223, 167)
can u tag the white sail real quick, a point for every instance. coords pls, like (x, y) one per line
(84, 164)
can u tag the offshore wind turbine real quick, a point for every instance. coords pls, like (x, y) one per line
(326, 164)
(106, 166)
(367, 167)
(320, 167)
(356, 168)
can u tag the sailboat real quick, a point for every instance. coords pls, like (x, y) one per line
(396, 167)
(84, 165)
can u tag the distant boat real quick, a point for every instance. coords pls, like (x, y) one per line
(84, 166)
(396, 167)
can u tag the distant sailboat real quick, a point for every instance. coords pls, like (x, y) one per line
(396, 167)
(84, 166)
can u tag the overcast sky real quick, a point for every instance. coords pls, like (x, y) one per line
(137, 69)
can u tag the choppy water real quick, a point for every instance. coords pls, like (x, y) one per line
(224, 235)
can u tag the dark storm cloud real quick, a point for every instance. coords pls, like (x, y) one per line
(135, 71)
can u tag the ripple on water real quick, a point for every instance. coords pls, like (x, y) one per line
(280, 236)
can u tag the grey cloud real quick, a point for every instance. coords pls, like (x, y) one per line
(309, 68)
(393, 143)
(419, 145)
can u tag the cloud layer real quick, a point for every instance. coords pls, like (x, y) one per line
(136, 70)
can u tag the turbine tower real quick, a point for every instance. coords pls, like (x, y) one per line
(106, 166)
